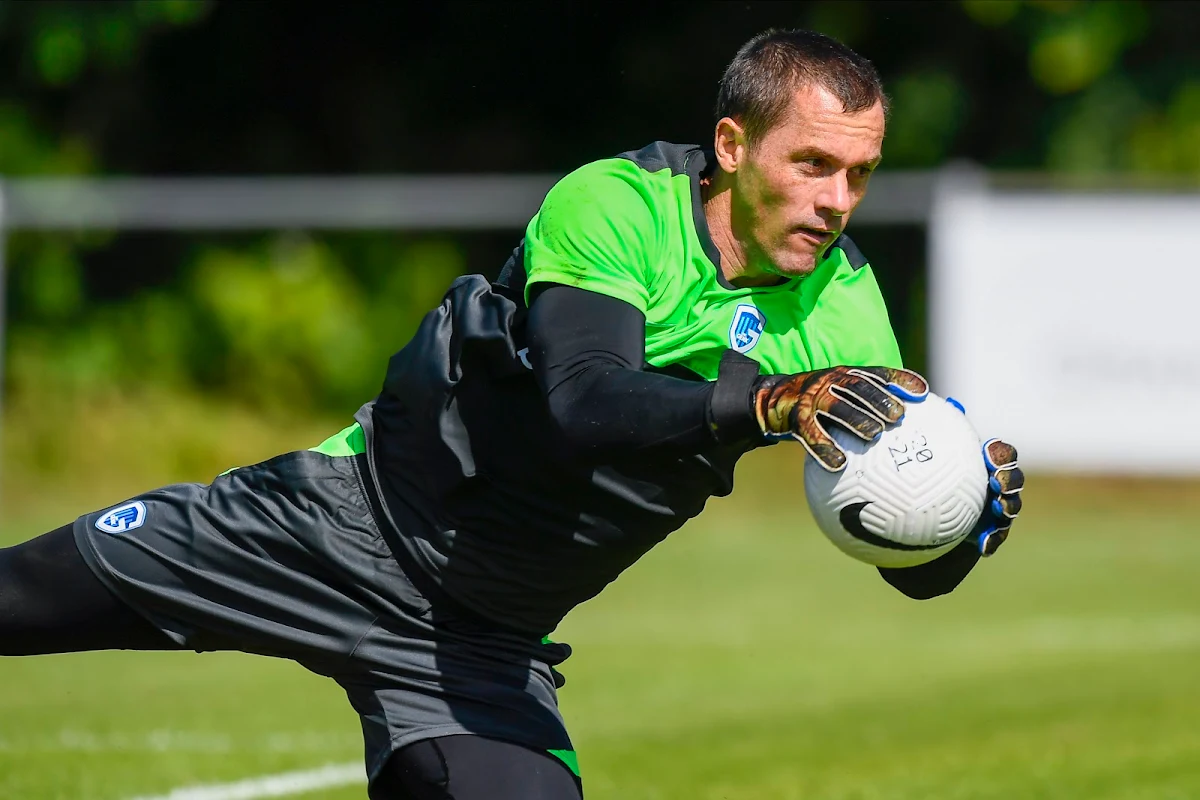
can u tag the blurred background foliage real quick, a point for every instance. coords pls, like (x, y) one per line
(291, 324)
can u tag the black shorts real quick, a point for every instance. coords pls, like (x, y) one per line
(286, 558)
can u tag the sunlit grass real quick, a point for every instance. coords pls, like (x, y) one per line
(743, 659)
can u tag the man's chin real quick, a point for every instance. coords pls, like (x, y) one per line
(797, 265)
(779, 266)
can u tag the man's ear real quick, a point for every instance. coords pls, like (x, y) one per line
(729, 144)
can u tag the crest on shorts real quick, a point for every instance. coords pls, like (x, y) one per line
(746, 328)
(123, 518)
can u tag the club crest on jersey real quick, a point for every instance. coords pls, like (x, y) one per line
(746, 328)
(123, 518)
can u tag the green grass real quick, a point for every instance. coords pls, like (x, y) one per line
(744, 659)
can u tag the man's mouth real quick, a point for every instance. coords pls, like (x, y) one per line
(819, 236)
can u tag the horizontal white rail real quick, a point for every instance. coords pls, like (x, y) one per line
(434, 202)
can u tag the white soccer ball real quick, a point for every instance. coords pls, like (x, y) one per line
(909, 496)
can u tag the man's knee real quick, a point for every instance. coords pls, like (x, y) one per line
(474, 768)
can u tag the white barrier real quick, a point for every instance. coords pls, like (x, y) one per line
(1069, 322)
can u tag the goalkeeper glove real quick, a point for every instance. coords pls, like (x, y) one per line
(1003, 502)
(1005, 482)
(860, 399)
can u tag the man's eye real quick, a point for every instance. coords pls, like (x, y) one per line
(863, 172)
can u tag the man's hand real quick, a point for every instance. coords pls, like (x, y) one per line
(861, 399)
(1003, 503)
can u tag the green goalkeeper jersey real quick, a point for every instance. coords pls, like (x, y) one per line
(633, 227)
(483, 494)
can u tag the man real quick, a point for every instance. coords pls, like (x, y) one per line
(668, 311)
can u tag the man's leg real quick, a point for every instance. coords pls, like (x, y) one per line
(51, 602)
(474, 768)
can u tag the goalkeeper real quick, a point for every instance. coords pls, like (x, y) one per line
(668, 311)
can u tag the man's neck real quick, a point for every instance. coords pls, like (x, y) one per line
(735, 263)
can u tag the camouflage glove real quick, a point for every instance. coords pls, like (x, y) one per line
(861, 399)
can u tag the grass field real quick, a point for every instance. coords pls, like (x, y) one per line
(745, 659)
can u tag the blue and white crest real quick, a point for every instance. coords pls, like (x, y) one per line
(123, 518)
(746, 328)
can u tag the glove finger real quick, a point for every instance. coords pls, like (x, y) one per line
(990, 540)
(820, 445)
(869, 397)
(1007, 506)
(1007, 480)
(904, 383)
(998, 454)
(854, 419)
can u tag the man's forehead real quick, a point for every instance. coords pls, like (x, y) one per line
(816, 116)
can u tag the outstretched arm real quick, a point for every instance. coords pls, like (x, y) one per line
(588, 354)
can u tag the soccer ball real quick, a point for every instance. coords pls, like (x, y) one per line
(907, 497)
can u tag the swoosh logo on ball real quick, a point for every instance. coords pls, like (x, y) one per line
(851, 518)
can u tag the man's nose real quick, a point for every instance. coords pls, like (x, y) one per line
(834, 198)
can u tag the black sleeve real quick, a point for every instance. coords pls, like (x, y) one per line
(588, 352)
(936, 577)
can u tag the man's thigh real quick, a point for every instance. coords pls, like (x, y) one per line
(474, 768)
(278, 558)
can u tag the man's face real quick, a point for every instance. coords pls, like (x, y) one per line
(796, 186)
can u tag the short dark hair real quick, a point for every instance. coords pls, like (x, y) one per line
(759, 83)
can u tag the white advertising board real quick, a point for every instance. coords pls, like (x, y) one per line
(1069, 324)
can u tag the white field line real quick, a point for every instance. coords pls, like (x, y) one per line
(164, 740)
(281, 785)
